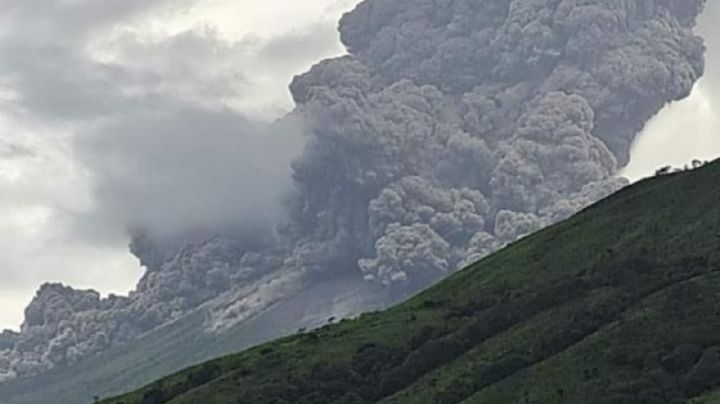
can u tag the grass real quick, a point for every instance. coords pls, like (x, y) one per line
(618, 304)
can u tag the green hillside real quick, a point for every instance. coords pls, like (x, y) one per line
(620, 304)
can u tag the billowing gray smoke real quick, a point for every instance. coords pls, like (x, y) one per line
(453, 128)
(458, 126)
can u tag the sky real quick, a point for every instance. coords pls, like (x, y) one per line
(688, 129)
(115, 113)
(92, 91)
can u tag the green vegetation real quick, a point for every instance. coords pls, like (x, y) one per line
(620, 304)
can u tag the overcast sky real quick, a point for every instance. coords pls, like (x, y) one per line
(93, 91)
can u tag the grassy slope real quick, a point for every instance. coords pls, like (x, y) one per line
(616, 305)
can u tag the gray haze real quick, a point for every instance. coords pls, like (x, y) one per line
(170, 171)
(451, 129)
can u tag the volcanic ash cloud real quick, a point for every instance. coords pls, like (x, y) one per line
(451, 128)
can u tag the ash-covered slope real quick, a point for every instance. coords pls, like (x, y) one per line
(452, 128)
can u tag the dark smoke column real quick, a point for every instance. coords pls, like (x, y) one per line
(457, 126)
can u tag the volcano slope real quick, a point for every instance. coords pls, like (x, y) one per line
(619, 304)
